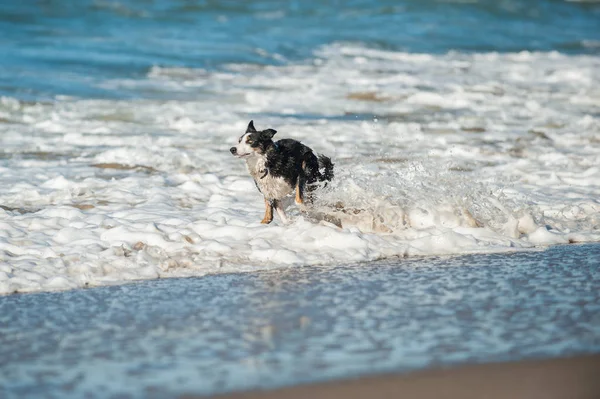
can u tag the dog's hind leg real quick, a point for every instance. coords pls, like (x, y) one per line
(300, 189)
(268, 212)
(280, 211)
(310, 175)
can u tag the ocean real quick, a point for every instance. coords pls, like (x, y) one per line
(455, 127)
(466, 141)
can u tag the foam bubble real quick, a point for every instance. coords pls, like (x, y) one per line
(434, 154)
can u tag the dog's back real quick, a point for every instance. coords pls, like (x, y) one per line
(294, 160)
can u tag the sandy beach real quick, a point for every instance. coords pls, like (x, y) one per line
(573, 378)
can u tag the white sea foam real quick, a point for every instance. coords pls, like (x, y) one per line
(447, 154)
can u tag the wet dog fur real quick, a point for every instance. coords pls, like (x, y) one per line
(280, 168)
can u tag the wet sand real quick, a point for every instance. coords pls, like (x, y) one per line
(309, 325)
(572, 378)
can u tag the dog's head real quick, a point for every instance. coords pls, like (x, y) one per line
(253, 142)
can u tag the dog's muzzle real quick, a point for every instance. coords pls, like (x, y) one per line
(233, 150)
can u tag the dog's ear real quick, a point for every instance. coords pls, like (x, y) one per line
(250, 128)
(269, 133)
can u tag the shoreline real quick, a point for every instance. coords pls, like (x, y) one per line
(572, 377)
(397, 258)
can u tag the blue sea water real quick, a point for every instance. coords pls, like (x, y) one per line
(115, 122)
(64, 48)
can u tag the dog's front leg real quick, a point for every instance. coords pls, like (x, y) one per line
(268, 212)
(280, 211)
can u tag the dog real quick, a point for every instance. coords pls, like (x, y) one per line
(278, 168)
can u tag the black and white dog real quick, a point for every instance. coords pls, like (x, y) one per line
(278, 168)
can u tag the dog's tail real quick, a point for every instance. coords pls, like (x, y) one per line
(325, 168)
(317, 170)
